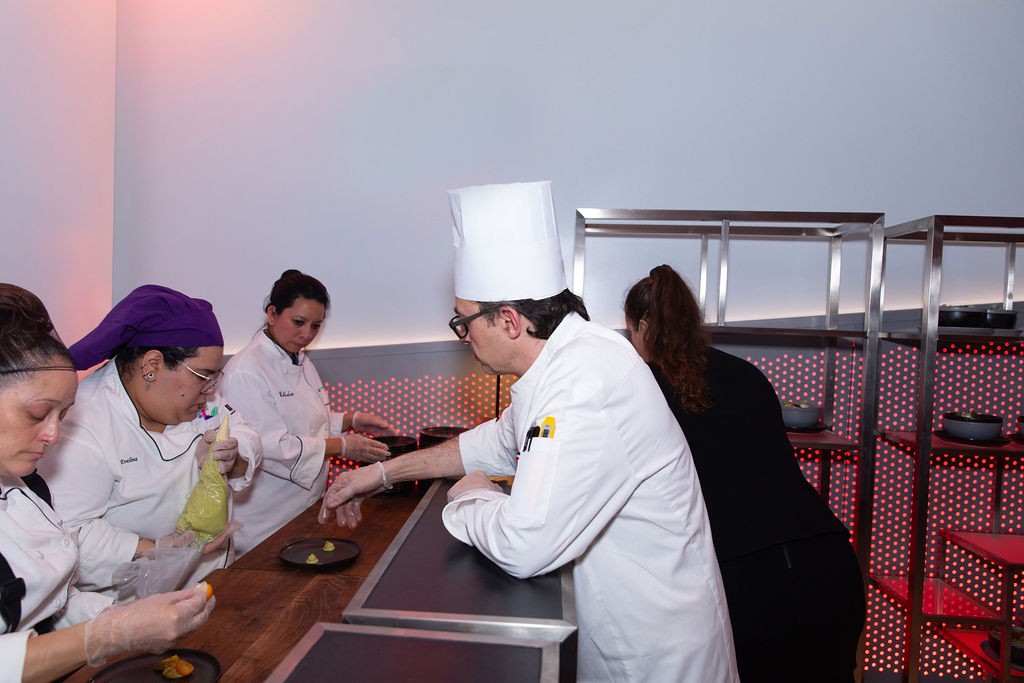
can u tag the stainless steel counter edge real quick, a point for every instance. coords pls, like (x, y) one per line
(548, 629)
(549, 650)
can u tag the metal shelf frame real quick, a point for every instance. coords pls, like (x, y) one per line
(934, 232)
(725, 226)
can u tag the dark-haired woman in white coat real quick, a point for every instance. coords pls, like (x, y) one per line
(278, 389)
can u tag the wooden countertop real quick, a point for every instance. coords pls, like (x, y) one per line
(264, 606)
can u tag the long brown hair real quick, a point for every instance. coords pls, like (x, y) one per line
(677, 342)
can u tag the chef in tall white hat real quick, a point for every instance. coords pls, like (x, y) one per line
(603, 475)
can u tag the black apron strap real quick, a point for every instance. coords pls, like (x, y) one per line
(12, 588)
(12, 591)
(38, 486)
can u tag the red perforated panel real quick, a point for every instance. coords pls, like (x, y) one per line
(986, 377)
(800, 376)
(411, 404)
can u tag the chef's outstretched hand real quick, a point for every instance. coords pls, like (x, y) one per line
(347, 493)
(368, 422)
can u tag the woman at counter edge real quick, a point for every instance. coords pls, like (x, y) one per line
(278, 389)
(792, 581)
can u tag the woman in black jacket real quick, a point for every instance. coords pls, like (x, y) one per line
(795, 592)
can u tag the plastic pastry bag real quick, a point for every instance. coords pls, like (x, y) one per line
(206, 511)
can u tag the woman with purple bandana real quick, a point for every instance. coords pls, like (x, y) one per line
(140, 430)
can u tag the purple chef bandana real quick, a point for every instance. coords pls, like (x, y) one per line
(150, 316)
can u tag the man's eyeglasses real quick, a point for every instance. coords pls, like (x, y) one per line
(209, 381)
(460, 326)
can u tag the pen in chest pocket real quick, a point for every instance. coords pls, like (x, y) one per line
(531, 434)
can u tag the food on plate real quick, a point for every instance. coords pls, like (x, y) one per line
(174, 667)
(328, 547)
(796, 404)
(312, 559)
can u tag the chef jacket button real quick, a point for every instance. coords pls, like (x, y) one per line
(65, 542)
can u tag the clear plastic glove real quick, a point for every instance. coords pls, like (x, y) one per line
(471, 482)
(151, 624)
(218, 542)
(358, 447)
(177, 541)
(368, 422)
(225, 452)
(160, 570)
(347, 493)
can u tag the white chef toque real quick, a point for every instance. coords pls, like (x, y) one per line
(506, 242)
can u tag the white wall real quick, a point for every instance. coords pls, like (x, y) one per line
(257, 135)
(57, 155)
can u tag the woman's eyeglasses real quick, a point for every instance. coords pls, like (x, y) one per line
(209, 381)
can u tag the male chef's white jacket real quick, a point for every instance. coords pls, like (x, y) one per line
(613, 490)
(44, 553)
(290, 407)
(115, 481)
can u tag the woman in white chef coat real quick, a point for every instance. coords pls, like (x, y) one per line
(141, 429)
(276, 386)
(47, 627)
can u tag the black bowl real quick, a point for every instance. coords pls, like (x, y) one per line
(1016, 639)
(974, 426)
(961, 316)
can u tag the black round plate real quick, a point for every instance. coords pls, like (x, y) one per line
(814, 429)
(443, 433)
(1000, 441)
(991, 652)
(297, 553)
(140, 668)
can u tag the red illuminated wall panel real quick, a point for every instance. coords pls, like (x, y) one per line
(800, 376)
(411, 404)
(986, 377)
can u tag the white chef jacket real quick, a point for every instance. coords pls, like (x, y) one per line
(289, 405)
(614, 491)
(116, 482)
(44, 553)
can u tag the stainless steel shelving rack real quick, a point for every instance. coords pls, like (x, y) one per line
(724, 227)
(931, 598)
